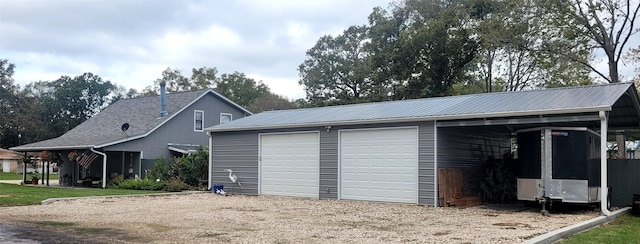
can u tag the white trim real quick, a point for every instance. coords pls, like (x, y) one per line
(417, 164)
(209, 175)
(339, 169)
(317, 132)
(224, 114)
(604, 189)
(435, 164)
(195, 121)
(417, 130)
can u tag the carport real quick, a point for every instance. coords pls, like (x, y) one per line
(466, 143)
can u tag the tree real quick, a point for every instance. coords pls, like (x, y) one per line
(609, 24)
(513, 35)
(67, 102)
(8, 105)
(423, 47)
(634, 57)
(241, 89)
(236, 86)
(270, 102)
(18, 111)
(337, 69)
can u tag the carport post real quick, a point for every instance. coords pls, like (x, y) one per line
(603, 164)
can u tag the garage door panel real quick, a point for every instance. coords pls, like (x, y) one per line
(289, 164)
(379, 165)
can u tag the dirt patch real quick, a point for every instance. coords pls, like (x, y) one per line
(208, 218)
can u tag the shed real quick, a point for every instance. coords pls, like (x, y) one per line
(391, 151)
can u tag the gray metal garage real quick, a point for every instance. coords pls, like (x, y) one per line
(391, 151)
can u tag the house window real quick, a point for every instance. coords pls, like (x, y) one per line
(198, 120)
(224, 118)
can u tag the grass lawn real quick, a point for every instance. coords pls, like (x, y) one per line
(14, 176)
(624, 229)
(13, 195)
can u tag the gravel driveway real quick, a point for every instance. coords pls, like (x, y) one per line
(202, 218)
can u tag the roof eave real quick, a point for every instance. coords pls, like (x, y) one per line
(416, 119)
(35, 149)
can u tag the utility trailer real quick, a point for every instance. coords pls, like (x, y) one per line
(558, 164)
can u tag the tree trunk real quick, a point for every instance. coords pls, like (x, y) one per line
(622, 147)
(613, 70)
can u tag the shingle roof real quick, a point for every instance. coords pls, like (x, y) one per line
(103, 129)
(485, 105)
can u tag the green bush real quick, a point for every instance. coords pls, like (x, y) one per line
(115, 182)
(142, 184)
(175, 184)
(159, 170)
(191, 169)
(187, 172)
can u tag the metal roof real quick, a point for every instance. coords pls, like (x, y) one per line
(581, 99)
(104, 129)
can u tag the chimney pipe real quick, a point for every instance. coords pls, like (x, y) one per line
(163, 100)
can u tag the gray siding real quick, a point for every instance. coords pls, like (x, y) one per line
(239, 151)
(180, 129)
(329, 164)
(426, 165)
(624, 179)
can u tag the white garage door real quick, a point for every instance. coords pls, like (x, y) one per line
(379, 165)
(289, 164)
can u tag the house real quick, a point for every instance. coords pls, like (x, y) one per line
(127, 136)
(9, 160)
(392, 151)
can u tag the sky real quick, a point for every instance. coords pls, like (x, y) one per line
(130, 42)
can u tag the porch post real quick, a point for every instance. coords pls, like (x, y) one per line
(24, 168)
(603, 164)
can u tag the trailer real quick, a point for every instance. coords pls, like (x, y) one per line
(558, 164)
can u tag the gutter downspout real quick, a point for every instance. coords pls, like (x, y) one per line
(604, 189)
(104, 167)
(209, 185)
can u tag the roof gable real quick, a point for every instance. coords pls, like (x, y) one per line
(142, 114)
(484, 105)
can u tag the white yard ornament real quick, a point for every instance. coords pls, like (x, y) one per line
(233, 177)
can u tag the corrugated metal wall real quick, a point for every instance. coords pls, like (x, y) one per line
(329, 164)
(426, 165)
(624, 179)
(239, 151)
(469, 147)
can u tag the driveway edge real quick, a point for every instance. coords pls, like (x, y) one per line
(51, 200)
(556, 235)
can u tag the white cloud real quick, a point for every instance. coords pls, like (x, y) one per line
(284, 86)
(132, 42)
